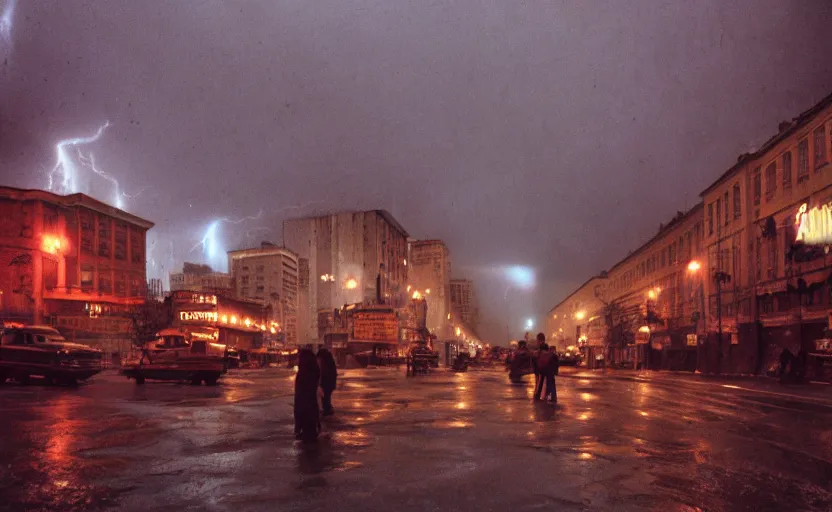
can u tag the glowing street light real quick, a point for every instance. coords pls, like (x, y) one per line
(351, 284)
(580, 315)
(417, 295)
(694, 266)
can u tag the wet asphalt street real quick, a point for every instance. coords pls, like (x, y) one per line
(440, 442)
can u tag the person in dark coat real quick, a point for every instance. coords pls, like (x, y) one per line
(329, 376)
(307, 421)
(539, 370)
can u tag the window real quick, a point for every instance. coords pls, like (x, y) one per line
(664, 258)
(105, 284)
(136, 245)
(771, 180)
(87, 231)
(737, 211)
(244, 281)
(718, 210)
(672, 255)
(121, 284)
(820, 147)
(803, 160)
(787, 170)
(86, 277)
(121, 241)
(710, 219)
(757, 187)
(725, 202)
(260, 268)
(104, 242)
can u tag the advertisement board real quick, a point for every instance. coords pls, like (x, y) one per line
(378, 326)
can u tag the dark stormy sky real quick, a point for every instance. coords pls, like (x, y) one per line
(554, 134)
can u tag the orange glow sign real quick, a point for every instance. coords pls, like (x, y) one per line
(814, 226)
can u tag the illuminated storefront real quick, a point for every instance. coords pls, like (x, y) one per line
(241, 324)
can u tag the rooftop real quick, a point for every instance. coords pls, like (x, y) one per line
(71, 200)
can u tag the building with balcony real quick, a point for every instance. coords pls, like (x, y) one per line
(766, 238)
(269, 274)
(72, 262)
(346, 258)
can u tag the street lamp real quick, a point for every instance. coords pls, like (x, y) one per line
(580, 315)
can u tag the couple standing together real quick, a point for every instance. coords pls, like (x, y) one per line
(313, 372)
(546, 365)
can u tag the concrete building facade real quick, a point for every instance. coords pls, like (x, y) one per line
(269, 274)
(429, 273)
(346, 258)
(464, 303)
(197, 277)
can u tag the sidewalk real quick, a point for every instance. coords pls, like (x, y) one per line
(820, 392)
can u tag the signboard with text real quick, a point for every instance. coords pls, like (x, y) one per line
(198, 316)
(379, 326)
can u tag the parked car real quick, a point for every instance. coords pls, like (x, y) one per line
(569, 358)
(41, 351)
(178, 355)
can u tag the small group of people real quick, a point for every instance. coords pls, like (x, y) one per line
(313, 372)
(546, 365)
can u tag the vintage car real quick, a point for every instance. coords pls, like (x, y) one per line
(179, 355)
(41, 351)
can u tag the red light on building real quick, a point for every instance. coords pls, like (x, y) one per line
(53, 244)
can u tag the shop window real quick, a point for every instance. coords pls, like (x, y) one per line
(766, 304)
(782, 302)
(787, 170)
(803, 160)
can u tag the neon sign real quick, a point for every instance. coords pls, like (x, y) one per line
(814, 227)
(198, 316)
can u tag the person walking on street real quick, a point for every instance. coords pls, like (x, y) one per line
(307, 421)
(329, 376)
(543, 359)
(552, 369)
(538, 379)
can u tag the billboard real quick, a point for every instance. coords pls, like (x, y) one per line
(376, 326)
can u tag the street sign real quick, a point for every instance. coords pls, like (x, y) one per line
(380, 326)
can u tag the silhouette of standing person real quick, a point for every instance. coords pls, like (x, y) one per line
(307, 421)
(539, 369)
(329, 376)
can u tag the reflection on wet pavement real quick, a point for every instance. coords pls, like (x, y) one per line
(444, 441)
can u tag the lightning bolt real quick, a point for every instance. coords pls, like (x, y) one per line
(89, 162)
(66, 175)
(212, 248)
(6, 22)
(65, 168)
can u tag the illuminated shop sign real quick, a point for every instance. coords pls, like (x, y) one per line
(814, 226)
(206, 336)
(204, 299)
(198, 316)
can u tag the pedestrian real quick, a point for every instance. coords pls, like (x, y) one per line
(538, 381)
(540, 366)
(552, 369)
(307, 421)
(329, 376)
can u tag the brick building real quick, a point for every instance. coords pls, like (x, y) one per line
(72, 262)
